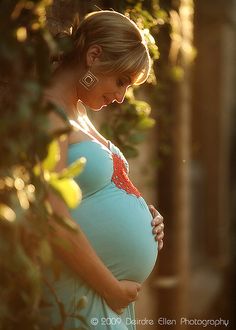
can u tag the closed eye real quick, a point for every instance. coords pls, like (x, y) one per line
(120, 82)
(123, 81)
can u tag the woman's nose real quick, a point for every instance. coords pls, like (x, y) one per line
(120, 95)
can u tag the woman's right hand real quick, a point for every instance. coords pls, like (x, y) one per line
(126, 293)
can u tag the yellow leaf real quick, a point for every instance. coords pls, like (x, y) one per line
(21, 34)
(74, 169)
(145, 123)
(68, 190)
(6, 213)
(53, 156)
(49, 163)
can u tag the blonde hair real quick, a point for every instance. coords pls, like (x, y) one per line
(124, 50)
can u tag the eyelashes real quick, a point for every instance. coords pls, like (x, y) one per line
(120, 83)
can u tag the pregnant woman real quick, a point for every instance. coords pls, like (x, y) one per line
(110, 55)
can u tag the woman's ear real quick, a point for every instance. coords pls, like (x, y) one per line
(93, 54)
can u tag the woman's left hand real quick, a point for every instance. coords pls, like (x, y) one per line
(158, 224)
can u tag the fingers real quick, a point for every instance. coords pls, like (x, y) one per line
(132, 299)
(139, 286)
(135, 297)
(153, 211)
(157, 217)
(135, 294)
(157, 220)
(160, 236)
(158, 224)
(158, 229)
(120, 311)
(160, 245)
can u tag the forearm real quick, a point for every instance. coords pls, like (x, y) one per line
(77, 253)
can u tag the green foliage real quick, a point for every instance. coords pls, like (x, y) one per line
(162, 26)
(62, 183)
(127, 124)
(27, 162)
(128, 128)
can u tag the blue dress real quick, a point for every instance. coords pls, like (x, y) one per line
(117, 222)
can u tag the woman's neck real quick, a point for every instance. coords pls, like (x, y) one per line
(63, 91)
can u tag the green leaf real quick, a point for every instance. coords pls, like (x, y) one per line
(107, 130)
(130, 152)
(123, 127)
(177, 73)
(145, 123)
(143, 108)
(136, 138)
(45, 252)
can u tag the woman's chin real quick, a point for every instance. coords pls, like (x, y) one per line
(97, 108)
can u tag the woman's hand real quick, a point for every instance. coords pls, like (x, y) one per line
(127, 292)
(158, 224)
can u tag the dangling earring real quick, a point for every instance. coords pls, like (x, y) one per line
(89, 80)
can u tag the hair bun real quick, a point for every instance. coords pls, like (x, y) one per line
(64, 42)
(75, 25)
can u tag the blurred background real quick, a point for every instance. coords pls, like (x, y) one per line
(182, 153)
(195, 184)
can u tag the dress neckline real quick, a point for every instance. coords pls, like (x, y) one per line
(82, 142)
(89, 141)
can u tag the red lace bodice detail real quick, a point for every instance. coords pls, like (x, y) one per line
(120, 177)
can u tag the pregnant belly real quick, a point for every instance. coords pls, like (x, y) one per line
(119, 228)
